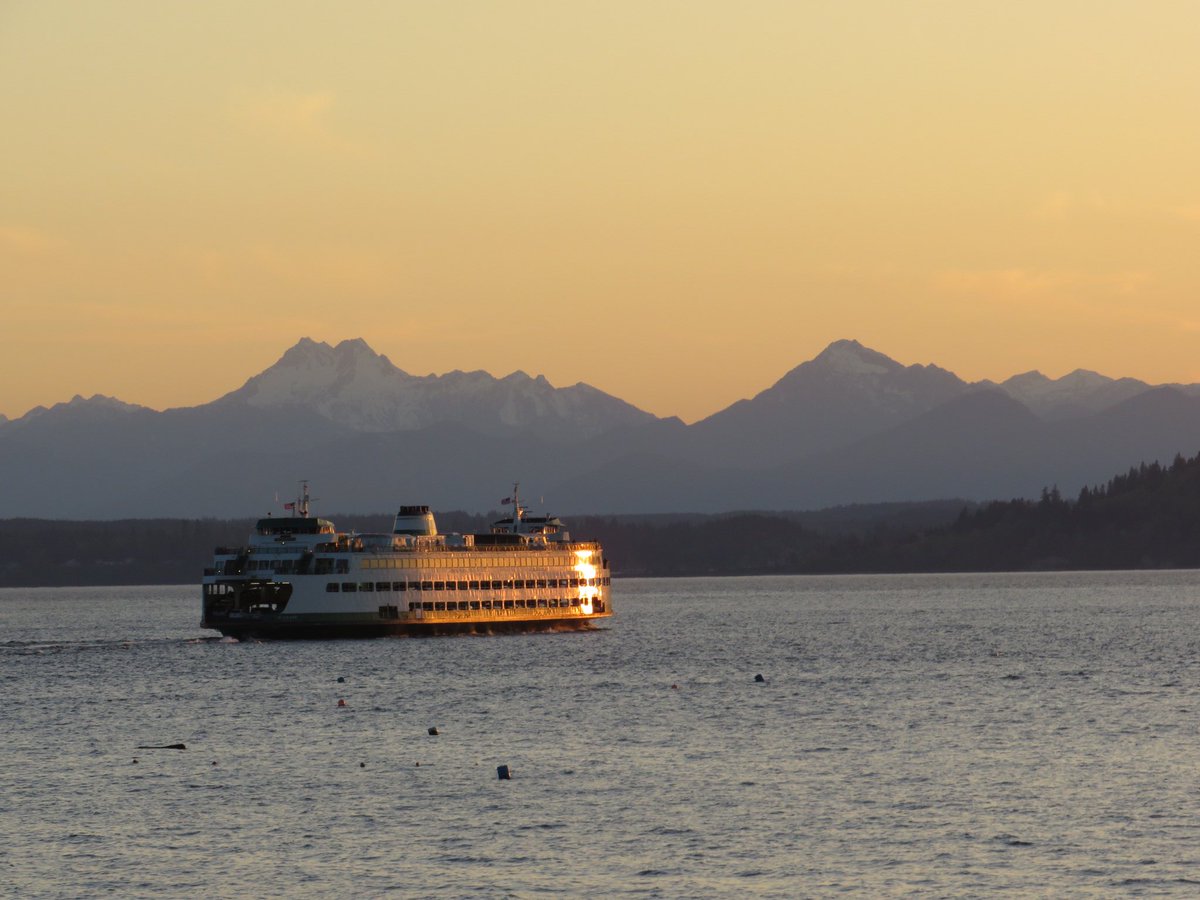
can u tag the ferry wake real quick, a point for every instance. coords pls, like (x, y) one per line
(298, 577)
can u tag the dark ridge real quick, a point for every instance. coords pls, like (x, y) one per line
(1146, 518)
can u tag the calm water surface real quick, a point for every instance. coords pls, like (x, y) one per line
(948, 736)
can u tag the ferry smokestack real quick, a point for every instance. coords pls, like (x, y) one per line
(415, 520)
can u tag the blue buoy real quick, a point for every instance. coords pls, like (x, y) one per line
(503, 774)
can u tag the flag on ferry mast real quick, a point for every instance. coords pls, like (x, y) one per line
(506, 501)
(289, 506)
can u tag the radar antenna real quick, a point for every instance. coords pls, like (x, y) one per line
(518, 509)
(303, 500)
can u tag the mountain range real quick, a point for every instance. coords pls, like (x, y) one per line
(849, 426)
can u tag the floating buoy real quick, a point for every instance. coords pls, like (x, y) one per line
(759, 678)
(433, 729)
(341, 702)
(503, 774)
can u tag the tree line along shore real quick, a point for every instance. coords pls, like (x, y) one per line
(1146, 518)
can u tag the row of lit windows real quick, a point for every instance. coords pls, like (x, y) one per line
(449, 605)
(352, 587)
(473, 561)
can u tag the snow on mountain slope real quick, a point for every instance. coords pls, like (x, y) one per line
(845, 393)
(1078, 393)
(356, 387)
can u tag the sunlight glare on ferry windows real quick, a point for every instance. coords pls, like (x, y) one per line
(587, 573)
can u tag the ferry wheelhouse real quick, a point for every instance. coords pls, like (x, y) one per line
(299, 577)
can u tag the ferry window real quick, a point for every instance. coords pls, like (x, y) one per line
(439, 585)
(462, 586)
(487, 604)
(474, 586)
(541, 604)
(497, 585)
(439, 605)
(367, 586)
(349, 587)
(541, 582)
(508, 604)
(343, 567)
(427, 585)
(331, 588)
(383, 585)
(518, 583)
(427, 605)
(399, 585)
(574, 601)
(462, 604)
(414, 605)
(552, 602)
(383, 611)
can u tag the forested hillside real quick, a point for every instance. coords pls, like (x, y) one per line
(1148, 517)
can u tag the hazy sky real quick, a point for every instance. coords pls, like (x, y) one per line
(675, 202)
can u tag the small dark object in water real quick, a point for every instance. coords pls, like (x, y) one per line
(759, 678)
(433, 729)
(362, 765)
(503, 774)
(161, 747)
(341, 680)
(341, 701)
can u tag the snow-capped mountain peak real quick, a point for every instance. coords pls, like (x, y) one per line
(356, 387)
(849, 357)
(1076, 393)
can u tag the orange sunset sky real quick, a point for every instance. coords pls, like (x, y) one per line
(675, 202)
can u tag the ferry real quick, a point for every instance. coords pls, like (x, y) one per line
(299, 577)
